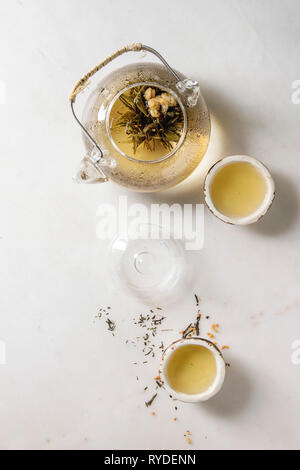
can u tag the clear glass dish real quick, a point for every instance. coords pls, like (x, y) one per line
(149, 265)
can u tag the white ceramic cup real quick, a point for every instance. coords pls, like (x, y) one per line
(220, 375)
(264, 207)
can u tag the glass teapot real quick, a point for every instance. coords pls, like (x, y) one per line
(146, 127)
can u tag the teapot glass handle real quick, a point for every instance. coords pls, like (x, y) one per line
(189, 88)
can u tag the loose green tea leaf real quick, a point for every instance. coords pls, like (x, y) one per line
(149, 403)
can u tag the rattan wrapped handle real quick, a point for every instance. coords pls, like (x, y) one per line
(83, 82)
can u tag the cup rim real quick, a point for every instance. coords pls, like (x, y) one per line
(264, 207)
(220, 375)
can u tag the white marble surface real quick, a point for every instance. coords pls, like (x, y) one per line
(67, 383)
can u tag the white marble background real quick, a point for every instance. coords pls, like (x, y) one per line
(67, 383)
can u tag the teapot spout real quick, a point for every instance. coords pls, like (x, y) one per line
(89, 173)
(91, 169)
